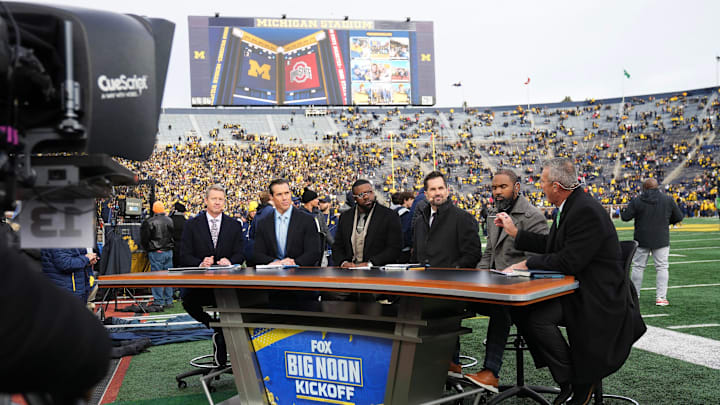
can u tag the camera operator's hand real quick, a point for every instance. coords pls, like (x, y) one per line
(208, 261)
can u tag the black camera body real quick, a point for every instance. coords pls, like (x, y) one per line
(77, 87)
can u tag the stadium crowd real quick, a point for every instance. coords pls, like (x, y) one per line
(615, 147)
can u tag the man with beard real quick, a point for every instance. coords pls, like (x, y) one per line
(499, 254)
(444, 235)
(369, 234)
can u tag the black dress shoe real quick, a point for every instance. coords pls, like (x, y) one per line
(565, 392)
(582, 394)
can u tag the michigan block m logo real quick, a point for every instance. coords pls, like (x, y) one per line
(199, 54)
(256, 69)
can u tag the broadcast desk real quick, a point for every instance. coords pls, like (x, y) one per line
(305, 351)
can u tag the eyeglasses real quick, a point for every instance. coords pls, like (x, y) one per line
(364, 194)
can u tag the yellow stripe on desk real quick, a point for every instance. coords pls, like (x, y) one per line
(330, 401)
(268, 338)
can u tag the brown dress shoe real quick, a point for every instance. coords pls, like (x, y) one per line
(485, 379)
(455, 370)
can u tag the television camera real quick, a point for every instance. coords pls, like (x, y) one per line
(77, 87)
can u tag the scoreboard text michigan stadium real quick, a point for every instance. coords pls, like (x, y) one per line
(278, 61)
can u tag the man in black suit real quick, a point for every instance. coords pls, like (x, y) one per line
(368, 235)
(287, 236)
(600, 324)
(444, 235)
(210, 238)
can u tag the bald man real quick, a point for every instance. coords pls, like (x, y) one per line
(653, 212)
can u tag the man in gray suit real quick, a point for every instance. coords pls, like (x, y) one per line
(500, 254)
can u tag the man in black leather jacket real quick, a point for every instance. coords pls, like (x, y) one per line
(156, 234)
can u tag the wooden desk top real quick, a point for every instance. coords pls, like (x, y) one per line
(458, 284)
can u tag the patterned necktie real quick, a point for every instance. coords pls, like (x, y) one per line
(214, 231)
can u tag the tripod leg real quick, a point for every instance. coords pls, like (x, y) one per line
(142, 308)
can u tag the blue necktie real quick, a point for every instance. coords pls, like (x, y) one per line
(282, 238)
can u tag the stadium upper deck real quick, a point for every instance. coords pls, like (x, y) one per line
(671, 136)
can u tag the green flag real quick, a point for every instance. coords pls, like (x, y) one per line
(626, 73)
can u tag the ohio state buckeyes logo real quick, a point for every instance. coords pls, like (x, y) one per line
(300, 72)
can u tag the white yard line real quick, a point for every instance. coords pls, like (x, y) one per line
(690, 262)
(654, 315)
(685, 286)
(700, 325)
(682, 346)
(672, 249)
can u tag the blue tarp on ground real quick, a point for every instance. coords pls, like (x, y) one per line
(161, 335)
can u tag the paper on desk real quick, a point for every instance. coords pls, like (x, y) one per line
(275, 266)
(512, 273)
(402, 267)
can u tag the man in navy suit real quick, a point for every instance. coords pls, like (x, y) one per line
(210, 238)
(286, 236)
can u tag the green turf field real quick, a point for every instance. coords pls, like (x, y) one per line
(648, 377)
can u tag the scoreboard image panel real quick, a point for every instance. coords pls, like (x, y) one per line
(266, 61)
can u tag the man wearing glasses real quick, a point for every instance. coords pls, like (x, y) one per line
(368, 235)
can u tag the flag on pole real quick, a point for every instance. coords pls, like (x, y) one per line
(528, 81)
(458, 84)
(626, 73)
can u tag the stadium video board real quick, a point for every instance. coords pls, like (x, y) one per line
(242, 61)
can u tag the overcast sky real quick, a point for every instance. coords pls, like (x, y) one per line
(567, 48)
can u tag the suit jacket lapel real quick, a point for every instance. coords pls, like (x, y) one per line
(555, 229)
(499, 237)
(273, 238)
(291, 225)
(551, 239)
(223, 223)
(373, 223)
(206, 230)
